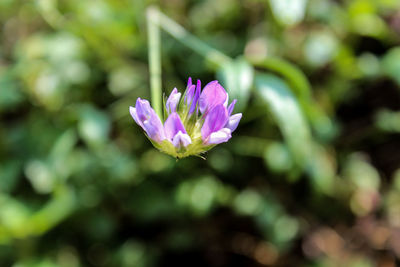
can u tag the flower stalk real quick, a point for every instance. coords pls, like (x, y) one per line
(156, 20)
(154, 37)
(192, 123)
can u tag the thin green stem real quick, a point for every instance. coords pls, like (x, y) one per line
(212, 55)
(154, 59)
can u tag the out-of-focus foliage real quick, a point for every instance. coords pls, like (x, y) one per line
(310, 178)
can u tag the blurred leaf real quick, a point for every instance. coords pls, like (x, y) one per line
(248, 202)
(369, 64)
(41, 176)
(388, 120)
(10, 94)
(59, 207)
(45, 174)
(237, 78)
(285, 228)
(199, 194)
(64, 144)
(277, 157)
(294, 76)
(301, 87)
(287, 113)
(9, 175)
(391, 64)
(124, 79)
(365, 19)
(49, 11)
(62, 158)
(362, 173)
(370, 25)
(94, 125)
(288, 12)
(320, 48)
(322, 169)
(13, 217)
(132, 253)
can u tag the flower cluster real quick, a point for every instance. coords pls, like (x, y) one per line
(195, 122)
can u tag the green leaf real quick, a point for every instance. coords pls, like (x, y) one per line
(301, 87)
(286, 111)
(237, 78)
(295, 77)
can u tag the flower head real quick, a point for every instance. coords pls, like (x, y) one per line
(194, 123)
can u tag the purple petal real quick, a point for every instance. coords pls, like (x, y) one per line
(213, 94)
(231, 107)
(189, 94)
(189, 83)
(147, 118)
(173, 125)
(173, 101)
(153, 130)
(143, 109)
(133, 113)
(221, 136)
(196, 97)
(233, 122)
(181, 139)
(215, 121)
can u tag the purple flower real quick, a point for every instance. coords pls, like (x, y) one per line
(192, 95)
(233, 121)
(215, 121)
(173, 101)
(231, 107)
(147, 118)
(213, 94)
(183, 134)
(175, 131)
(218, 125)
(189, 96)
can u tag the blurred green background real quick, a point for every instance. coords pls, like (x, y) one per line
(310, 178)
